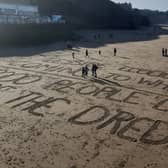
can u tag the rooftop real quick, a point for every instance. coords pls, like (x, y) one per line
(24, 2)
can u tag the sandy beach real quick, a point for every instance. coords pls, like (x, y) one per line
(51, 117)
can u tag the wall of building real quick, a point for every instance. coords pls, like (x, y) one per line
(25, 14)
(18, 9)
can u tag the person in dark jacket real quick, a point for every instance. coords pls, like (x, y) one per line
(115, 51)
(87, 53)
(94, 70)
(166, 52)
(86, 70)
(99, 52)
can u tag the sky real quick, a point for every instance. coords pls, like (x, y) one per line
(161, 5)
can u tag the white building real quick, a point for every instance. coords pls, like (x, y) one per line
(18, 9)
(23, 14)
(18, 13)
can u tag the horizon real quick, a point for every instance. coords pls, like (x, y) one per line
(161, 5)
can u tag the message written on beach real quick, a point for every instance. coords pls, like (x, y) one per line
(40, 88)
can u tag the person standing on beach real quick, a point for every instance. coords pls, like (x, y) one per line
(73, 55)
(87, 53)
(86, 70)
(163, 52)
(83, 72)
(166, 52)
(94, 70)
(99, 52)
(115, 51)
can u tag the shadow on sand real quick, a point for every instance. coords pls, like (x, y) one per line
(90, 39)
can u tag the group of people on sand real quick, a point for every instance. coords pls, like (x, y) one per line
(94, 68)
(87, 53)
(164, 52)
(99, 52)
(85, 70)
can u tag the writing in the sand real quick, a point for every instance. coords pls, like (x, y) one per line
(18, 78)
(55, 66)
(160, 83)
(33, 101)
(111, 93)
(124, 124)
(141, 71)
